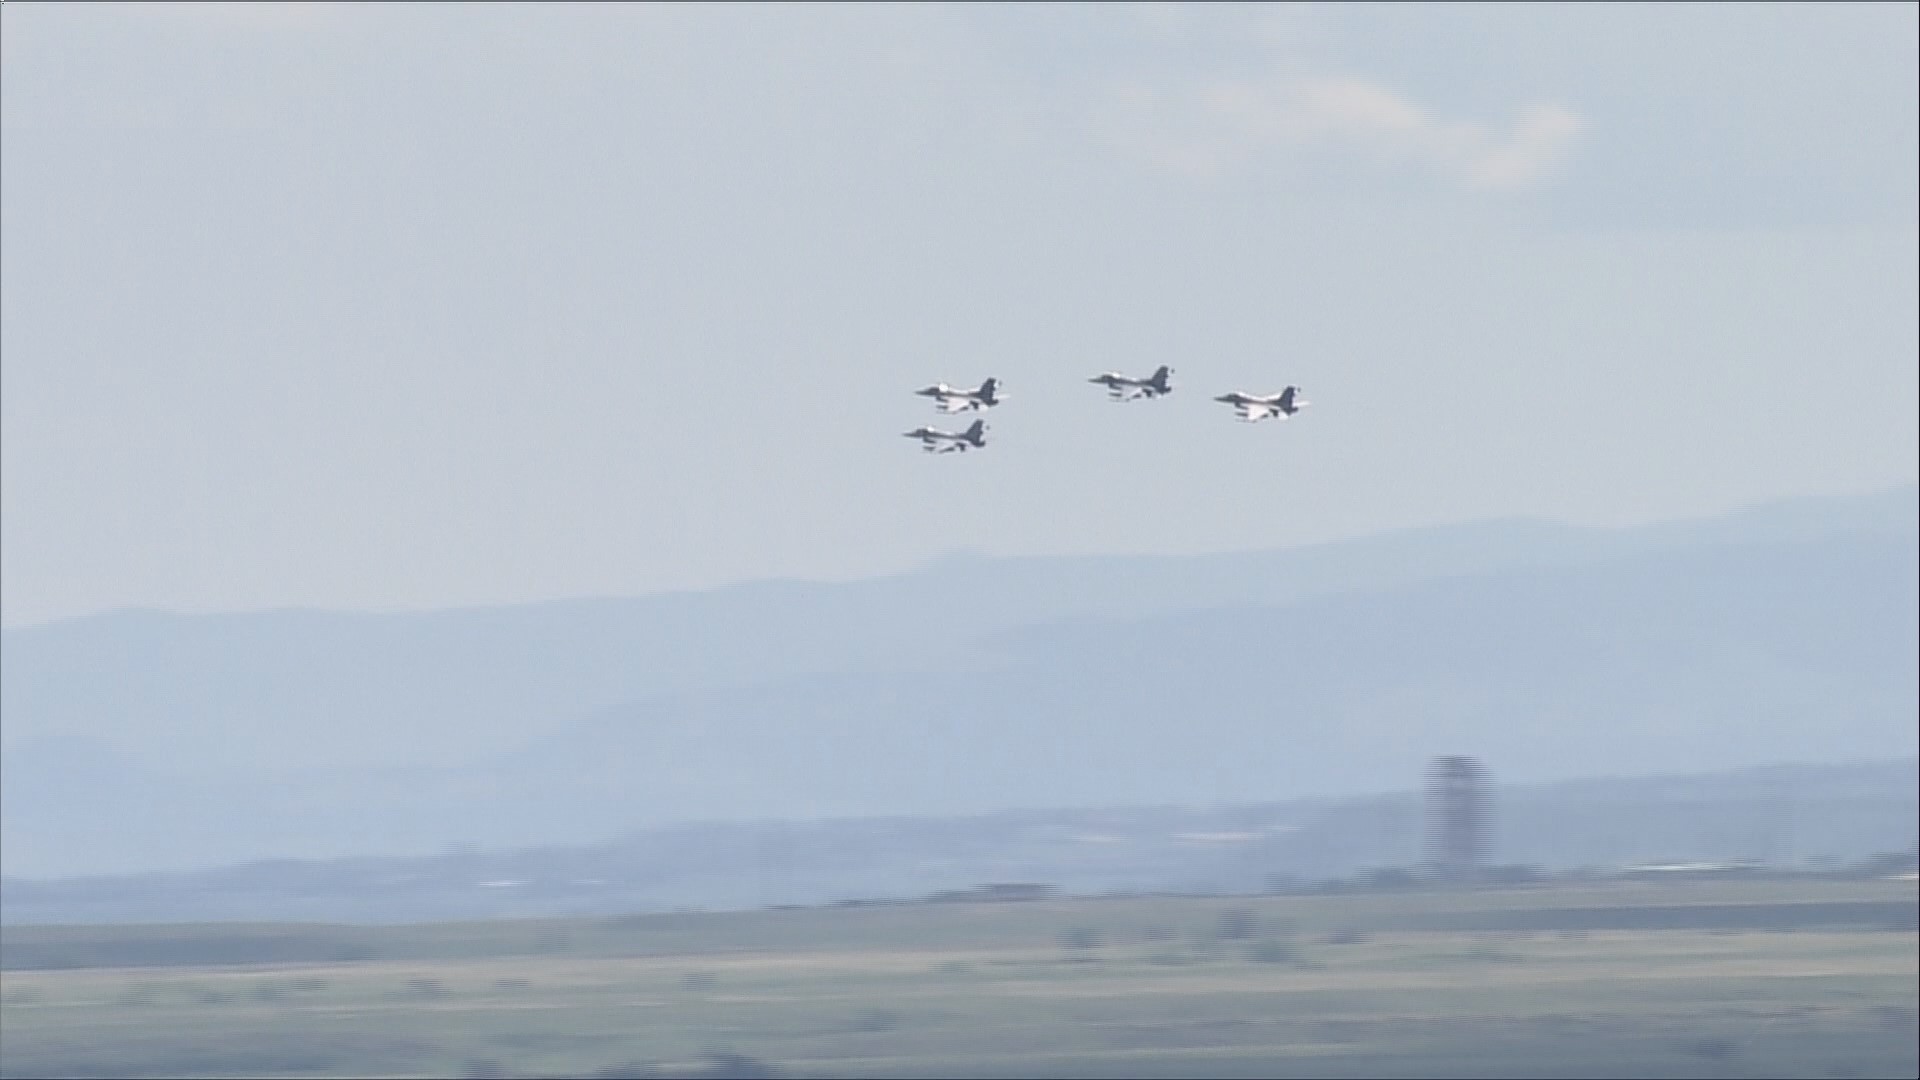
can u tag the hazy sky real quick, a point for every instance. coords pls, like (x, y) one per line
(391, 306)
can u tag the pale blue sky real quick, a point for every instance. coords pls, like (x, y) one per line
(393, 307)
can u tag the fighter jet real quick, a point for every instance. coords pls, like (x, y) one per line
(1152, 386)
(1254, 408)
(973, 438)
(953, 399)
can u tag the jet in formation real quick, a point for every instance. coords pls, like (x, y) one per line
(1126, 388)
(953, 399)
(1254, 408)
(930, 438)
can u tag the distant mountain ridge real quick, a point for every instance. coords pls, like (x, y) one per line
(1790, 632)
(275, 686)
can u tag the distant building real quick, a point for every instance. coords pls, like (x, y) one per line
(1691, 870)
(1459, 819)
(1009, 891)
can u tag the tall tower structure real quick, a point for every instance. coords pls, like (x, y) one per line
(1459, 818)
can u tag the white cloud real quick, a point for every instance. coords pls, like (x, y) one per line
(1540, 140)
(1209, 127)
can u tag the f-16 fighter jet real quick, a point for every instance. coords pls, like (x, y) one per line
(973, 438)
(953, 399)
(1254, 408)
(1152, 386)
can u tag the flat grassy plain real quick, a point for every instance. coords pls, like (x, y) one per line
(1407, 984)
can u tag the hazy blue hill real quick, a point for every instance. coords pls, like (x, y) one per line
(976, 684)
(1894, 512)
(1680, 660)
(1684, 660)
(290, 688)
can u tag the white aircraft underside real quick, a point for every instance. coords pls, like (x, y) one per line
(1127, 388)
(958, 399)
(931, 438)
(1254, 408)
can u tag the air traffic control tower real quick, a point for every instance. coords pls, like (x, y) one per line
(1459, 819)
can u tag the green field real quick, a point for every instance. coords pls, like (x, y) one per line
(1369, 985)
